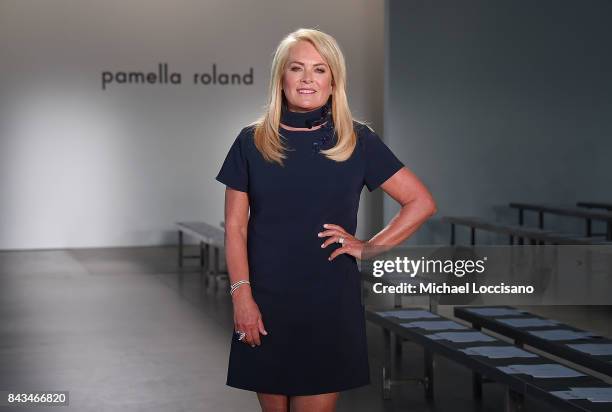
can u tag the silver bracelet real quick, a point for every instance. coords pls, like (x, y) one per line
(237, 284)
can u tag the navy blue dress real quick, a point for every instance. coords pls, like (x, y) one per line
(311, 307)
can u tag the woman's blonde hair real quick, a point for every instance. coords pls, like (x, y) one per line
(267, 137)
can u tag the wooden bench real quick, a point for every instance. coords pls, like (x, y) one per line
(534, 235)
(576, 212)
(506, 325)
(518, 385)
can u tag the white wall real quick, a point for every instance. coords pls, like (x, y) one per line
(493, 102)
(86, 167)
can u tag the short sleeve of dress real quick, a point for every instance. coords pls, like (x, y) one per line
(234, 172)
(380, 162)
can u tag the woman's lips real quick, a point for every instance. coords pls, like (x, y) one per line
(306, 91)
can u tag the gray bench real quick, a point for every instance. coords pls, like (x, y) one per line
(576, 212)
(507, 322)
(534, 235)
(518, 384)
(209, 237)
(595, 205)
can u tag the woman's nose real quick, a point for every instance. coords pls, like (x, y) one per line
(307, 77)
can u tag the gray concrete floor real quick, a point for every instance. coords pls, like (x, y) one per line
(123, 329)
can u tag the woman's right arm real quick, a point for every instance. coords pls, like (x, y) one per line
(247, 317)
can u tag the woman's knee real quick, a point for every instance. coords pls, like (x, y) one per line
(273, 402)
(315, 403)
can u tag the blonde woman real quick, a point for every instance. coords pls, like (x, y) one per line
(294, 179)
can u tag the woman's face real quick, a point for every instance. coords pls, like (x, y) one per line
(307, 79)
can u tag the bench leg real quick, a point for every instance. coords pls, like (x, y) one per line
(201, 254)
(206, 268)
(477, 385)
(386, 368)
(397, 300)
(392, 362)
(180, 248)
(476, 377)
(429, 375)
(216, 267)
(397, 362)
(216, 262)
(513, 401)
(541, 220)
(434, 301)
(206, 258)
(521, 221)
(589, 230)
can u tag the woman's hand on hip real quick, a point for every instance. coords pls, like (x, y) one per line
(247, 317)
(336, 234)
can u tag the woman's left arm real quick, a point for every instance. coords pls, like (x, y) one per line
(417, 205)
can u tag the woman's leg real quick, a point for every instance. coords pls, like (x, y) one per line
(325, 402)
(271, 402)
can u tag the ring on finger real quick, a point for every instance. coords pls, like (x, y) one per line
(341, 240)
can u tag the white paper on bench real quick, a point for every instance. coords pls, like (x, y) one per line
(593, 348)
(408, 314)
(544, 370)
(591, 394)
(458, 337)
(434, 325)
(594, 394)
(527, 322)
(560, 334)
(567, 395)
(495, 311)
(499, 352)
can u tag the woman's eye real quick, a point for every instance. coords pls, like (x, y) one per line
(321, 70)
(295, 69)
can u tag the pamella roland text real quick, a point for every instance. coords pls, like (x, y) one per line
(164, 76)
(432, 267)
